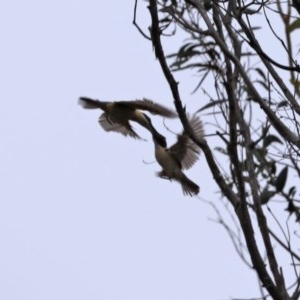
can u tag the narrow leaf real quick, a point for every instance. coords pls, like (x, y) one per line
(211, 104)
(293, 26)
(282, 104)
(271, 139)
(281, 179)
(266, 195)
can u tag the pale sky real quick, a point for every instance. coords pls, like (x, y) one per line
(82, 214)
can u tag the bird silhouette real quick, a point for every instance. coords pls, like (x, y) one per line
(182, 155)
(117, 115)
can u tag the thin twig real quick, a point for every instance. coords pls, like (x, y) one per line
(136, 24)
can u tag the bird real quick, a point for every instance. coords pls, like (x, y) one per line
(117, 115)
(182, 155)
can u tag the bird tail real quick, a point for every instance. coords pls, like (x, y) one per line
(188, 186)
(89, 103)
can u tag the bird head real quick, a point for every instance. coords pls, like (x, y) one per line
(159, 140)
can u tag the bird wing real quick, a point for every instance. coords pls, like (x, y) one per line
(150, 106)
(124, 129)
(185, 150)
(89, 103)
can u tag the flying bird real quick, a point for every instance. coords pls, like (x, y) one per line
(182, 155)
(117, 115)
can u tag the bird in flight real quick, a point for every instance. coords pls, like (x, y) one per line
(181, 156)
(117, 114)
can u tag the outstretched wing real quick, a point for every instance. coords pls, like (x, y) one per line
(150, 106)
(89, 103)
(185, 150)
(124, 129)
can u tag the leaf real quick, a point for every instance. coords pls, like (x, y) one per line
(266, 195)
(295, 83)
(271, 139)
(207, 4)
(260, 154)
(249, 11)
(211, 104)
(293, 26)
(261, 73)
(252, 28)
(273, 167)
(221, 150)
(291, 207)
(281, 179)
(292, 192)
(263, 83)
(187, 50)
(201, 81)
(282, 104)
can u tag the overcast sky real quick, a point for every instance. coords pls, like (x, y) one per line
(82, 214)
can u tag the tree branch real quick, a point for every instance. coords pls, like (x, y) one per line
(159, 52)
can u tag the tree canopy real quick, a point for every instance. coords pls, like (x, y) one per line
(244, 54)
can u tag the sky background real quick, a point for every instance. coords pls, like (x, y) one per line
(82, 214)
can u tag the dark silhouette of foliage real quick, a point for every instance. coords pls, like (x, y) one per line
(252, 114)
